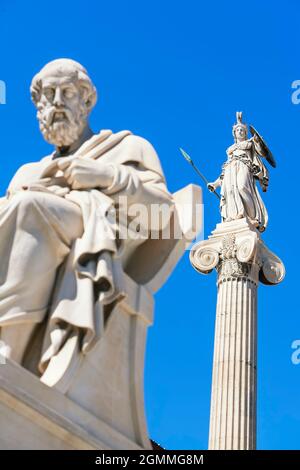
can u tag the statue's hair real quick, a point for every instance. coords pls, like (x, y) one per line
(65, 67)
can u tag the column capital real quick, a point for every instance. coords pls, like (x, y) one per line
(235, 250)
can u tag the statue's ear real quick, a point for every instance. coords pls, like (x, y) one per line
(89, 94)
(35, 90)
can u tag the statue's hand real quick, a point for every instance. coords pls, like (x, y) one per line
(265, 184)
(48, 185)
(83, 173)
(211, 187)
(256, 139)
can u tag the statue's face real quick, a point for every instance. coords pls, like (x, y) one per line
(240, 133)
(62, 112)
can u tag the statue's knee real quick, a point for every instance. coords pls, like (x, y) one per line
(26, 199)
(27, 205)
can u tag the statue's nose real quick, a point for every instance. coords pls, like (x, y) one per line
(58, 101)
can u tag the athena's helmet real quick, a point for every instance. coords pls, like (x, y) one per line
(239, 123)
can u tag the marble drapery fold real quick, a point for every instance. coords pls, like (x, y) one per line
(89, 269)
(240, 195)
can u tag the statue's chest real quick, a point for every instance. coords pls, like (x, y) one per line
(241, 151)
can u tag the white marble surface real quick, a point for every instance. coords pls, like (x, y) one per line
(78, 297)
(242, 260)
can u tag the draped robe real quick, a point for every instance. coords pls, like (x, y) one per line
(240, 196)
(72, 257)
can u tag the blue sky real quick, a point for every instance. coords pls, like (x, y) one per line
(176, 72)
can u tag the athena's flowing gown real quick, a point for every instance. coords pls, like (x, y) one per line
(240, 196)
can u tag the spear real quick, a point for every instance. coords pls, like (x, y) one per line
(190, 161)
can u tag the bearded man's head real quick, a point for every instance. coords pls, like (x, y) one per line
(64, 96)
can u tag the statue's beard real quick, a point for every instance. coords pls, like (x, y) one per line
(61, 127)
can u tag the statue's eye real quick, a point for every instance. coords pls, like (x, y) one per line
(68, 93)
(49, 93)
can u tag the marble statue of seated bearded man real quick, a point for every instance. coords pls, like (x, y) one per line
(60, 247)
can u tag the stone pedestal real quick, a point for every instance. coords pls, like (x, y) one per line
(96, 401)
(242, 260)
(37, 417)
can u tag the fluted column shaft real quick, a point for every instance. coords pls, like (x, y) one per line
(233, 399)
(242, 260)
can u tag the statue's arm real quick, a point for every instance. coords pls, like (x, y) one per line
(216, 184)
(140, 178)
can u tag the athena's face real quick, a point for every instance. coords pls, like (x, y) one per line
(240, 133)
(62, 112)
